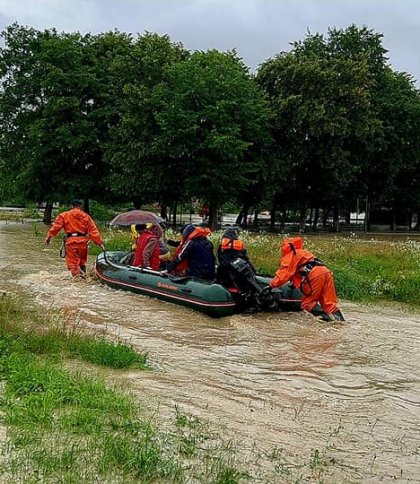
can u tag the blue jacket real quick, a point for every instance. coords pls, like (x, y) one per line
(198, 251)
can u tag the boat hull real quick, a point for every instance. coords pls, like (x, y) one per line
(204, 296)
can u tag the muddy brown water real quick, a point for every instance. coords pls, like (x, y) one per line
(284, 387)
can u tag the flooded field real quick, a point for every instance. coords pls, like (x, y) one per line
(291, 393)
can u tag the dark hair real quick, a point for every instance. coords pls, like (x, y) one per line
(140, 227)
(76, 202)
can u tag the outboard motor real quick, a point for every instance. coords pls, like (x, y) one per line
(244, 276)
(251, 293)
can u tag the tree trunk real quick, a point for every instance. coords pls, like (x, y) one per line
(315, 220)
(367, 214)
(348, 217)
(86, 206)
(393, 225)
(213, 222)
(174, 207)
(164, 211)
(136, 203)
(417, 226)
(336, 218)
(239, 217)
(242, 218)
(47, 218)
(255, 222)
(302, 218)
(325, 213)
(273, 218)
(283, 219)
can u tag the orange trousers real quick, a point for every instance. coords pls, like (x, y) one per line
(76, 256)
(319, 287)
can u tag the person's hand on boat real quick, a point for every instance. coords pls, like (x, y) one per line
(267, 290)
(164, 273)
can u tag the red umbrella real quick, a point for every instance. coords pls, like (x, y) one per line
(134, 217)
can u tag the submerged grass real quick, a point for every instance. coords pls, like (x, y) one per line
(64, 426)
(365, 268)
(28, 331)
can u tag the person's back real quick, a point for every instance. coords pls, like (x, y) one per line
(79, 228)
(312, 276)
(198, 251)
(230, 248)
(76, 223)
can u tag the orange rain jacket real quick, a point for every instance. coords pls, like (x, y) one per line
(316, 286)
(79, 229)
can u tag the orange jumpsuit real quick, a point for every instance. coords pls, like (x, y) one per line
(317, 286)
(79, 229)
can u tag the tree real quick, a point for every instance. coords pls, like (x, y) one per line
(326, 127)
(213, 122)
(393, 175)
(140, 170)
(56, 111)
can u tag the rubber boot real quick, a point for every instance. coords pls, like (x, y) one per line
(320, 313)
(338, 315)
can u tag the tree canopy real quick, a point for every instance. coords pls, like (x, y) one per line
(140, 119)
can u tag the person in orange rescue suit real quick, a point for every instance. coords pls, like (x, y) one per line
(78, 229)
(147, 248)
(312, 276)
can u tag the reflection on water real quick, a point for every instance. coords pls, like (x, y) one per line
(269, 381)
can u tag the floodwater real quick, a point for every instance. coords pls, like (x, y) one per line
(301, 400)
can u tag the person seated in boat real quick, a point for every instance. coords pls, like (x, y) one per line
(164, 253)
(147, 248)
(181, 268)
(230, 248)
(312, 276)
(197, 250)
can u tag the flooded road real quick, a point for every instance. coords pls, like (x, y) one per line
(297, 397)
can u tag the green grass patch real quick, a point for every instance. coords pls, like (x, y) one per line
(58, 338)
(65, 426)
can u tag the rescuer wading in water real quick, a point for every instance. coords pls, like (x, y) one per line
(312, 276)
(78, 229)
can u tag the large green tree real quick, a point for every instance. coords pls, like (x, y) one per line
(140, 170)
(213, 123)
(345, 121)
(56, 109)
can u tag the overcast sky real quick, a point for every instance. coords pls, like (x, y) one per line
(257, 29)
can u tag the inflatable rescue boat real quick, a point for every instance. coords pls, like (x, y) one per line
(208, 297)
